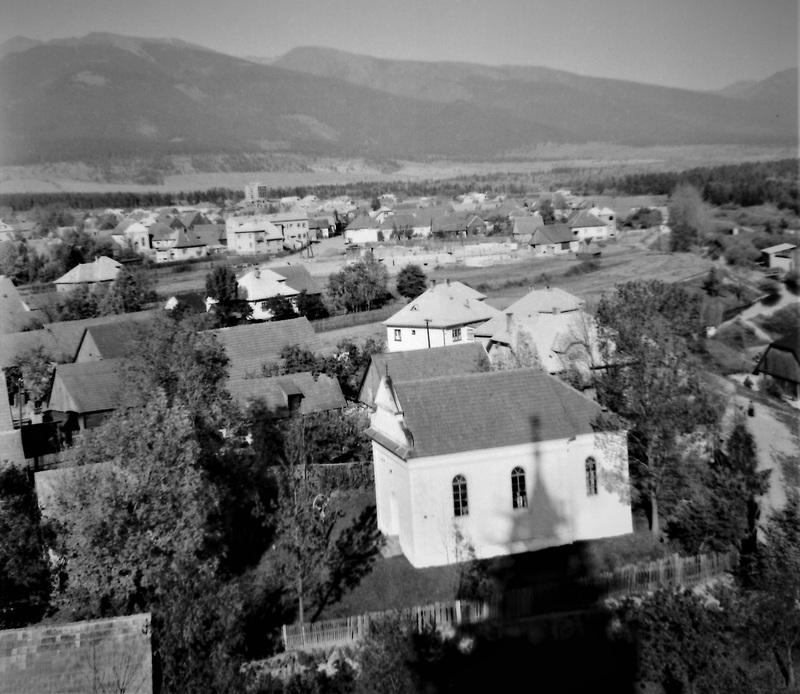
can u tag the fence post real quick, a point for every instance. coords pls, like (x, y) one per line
(285, 640)
(458, 612)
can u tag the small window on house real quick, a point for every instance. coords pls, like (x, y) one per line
(519, 496)
(413, 332)
(264, 306)
(591, 476)
(460, 502)
(397, 336)
(457, 335)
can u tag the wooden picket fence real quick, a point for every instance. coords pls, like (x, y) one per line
(333, 632)
(673, 570)
(521, 603)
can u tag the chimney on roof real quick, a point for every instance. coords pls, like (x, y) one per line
(257, 272)
(433, 284)
(509, 320)
(448, 281)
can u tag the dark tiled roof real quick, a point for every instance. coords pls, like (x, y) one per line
(113, 340)
(188, 240)
(298, 278)
(552, 233)
(250, 346)
(527, 225)
(161, 232)
(782, 358)
(318, 396)
(60, 340)
(415, 364)
(72, 658)
(208, 234)
(92, 386)
(470, 412)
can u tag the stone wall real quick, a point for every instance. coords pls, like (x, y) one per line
(106, 655)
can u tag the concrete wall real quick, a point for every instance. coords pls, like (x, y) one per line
(106, 655)
(559, 509)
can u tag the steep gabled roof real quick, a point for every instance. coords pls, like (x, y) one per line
(113, 340)
(92, 386)
(552, 233)
(319, 395)
(782, 358)
(250, 346)
(60, 340)
(412, 365)
(547, 300)
(444, 305)
(527, 225)
(362, 221)
(298, 278)
(584, 218)
(470, 412)
(102, 269)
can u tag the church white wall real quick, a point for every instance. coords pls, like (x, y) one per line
(559, 510)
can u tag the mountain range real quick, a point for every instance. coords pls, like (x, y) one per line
(109, 95)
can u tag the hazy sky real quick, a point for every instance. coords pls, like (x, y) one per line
(697, 44)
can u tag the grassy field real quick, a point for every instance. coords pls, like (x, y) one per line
(81, 178)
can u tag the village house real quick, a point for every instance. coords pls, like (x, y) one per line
(551, 325)
(84, 394)
(587, 227)
(252, 235)
(249, 347)
(495, 463)
(445, 314)
(293, 226)
(363, 229)
(261, 284)
(404, 225)
(780, 364)
(553, 239)
(100, 271)
(282, 396)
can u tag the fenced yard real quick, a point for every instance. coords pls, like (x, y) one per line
(522, 603)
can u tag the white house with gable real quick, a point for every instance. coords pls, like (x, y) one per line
(501, 463)
(446, 314)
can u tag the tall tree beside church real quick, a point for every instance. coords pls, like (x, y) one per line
(647, 331)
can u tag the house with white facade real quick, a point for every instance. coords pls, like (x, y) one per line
(362, 230)
(446, 314)
(501, 463)
(547, 326)
(249, 235)
(587, 227)
(293, 226)
(553, 239)
(263, 283)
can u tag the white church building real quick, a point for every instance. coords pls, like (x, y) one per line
(502, 462)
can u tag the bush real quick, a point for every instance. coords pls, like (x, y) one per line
(584, 268)
(783, 321)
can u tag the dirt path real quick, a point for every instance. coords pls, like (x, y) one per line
(777, 444)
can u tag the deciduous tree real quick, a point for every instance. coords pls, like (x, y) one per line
(360, 286)
(646, 331)
(411, 281)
